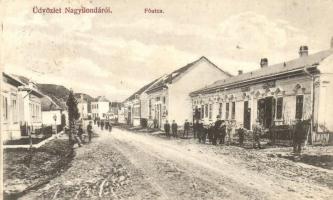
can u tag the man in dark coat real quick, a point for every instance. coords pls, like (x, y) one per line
(167, 128)
(80, 132)
(98, 123)
(241, 133)
(200, 129)
(174, 128)
(299, 136)
(110, 126)
(186, 128)
(223, 132)
(195, 129)
(216, 130)
(106, 124)
(89, 131)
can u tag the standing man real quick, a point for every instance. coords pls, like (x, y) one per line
(257, 129)
(155, 123)
(186, 128)
(102, 124)
(106, 124)
(217, 129)
(98, 122)
(223, 132)
(167, 128)
(110, 126)
(200, 130)
(241, 133)
(80, 132)
(195, 129)
(174, 128)
(299, 136)
(89, 131)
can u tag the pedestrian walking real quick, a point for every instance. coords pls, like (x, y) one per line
(257, 130)
(89, 130)
(299, 136)
(186, 128)
(76, 138)
(174, 128)
(102, 124)
(106, 124)
(167, 128)
(98, 123)
(241, 133)
(110, 126)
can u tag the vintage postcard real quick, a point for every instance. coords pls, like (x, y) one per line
(166, 99)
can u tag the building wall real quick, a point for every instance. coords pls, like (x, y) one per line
(324, 113)
(32, 109)
(197, 77)
(10, 111)
(100, 109)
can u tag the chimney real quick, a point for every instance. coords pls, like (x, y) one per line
(240, 72)
(303, 51)
(263, 62)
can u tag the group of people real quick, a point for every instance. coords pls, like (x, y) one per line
(220, 131)
(78, 133)
(103, 124)
(174, 128)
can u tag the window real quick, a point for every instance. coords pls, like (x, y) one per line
(4, 108)
(164, 100)
(202, 111)
(279, 105)
(14, 106)
(206, 110)
(226, 110)
(220, 110)
(210, 111)
(299, 106)
(233, 110)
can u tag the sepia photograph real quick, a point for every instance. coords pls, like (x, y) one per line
(166, 99)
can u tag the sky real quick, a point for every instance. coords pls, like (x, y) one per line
(116, 54)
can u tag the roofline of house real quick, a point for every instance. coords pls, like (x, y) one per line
(20, 83)
(249, 81)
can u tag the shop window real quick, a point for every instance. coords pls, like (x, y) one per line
(279, 106)
(299, 106)
(227, 111)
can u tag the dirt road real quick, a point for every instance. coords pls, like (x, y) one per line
(126, 165)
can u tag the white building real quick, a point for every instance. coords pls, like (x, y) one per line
(100, 108)
(82, 106)
(12, 107)
(51, 112)
(167, 98)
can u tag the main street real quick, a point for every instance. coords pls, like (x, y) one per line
(127, 165)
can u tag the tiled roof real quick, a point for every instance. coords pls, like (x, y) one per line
(141, 90)
(292, 65)
(173, 75)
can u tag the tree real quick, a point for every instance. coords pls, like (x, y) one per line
(73, 113)
(63, 121)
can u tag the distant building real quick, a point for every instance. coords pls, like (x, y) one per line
(82, 106)
(167, 98)
(100, 108)
(274, 94)
(51, 111)
(11, 108)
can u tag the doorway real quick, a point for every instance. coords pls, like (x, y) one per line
(158, 114)
(266, 111)
(247, 116)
